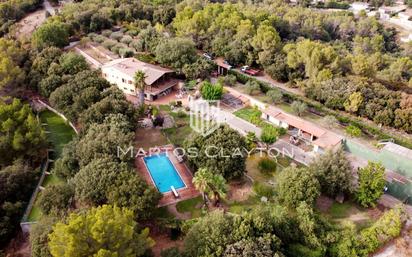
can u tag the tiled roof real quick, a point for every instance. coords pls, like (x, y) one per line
(130, 66)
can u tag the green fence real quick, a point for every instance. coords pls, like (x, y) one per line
(391, 161)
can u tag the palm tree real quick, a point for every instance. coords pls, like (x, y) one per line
(139, 85)
(201, 182)
(209, 184)
(218, 186)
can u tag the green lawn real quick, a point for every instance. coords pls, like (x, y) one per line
(180, 131)
(244, 206)
(60, 132)
(51, 179)
(249, 114)
(35, 214)
(190, 206)
(340, 210)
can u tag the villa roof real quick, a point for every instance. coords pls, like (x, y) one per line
(129, 66)
(324, 138)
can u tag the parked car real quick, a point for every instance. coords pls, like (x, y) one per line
(208, 56)
(249, 71)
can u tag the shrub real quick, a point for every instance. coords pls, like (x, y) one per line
(299, 107)
(267, 165)
(108, 43)
(99, 39)
(116, 48)
(263, 190)
(353, 131)
(132, 32)
(274, 95)
(211, 91)
(126, 39)
(126, 52)
(107, 32)
(252, 87)
(92, 35)
(56, 199)
(116, 35)
(298, 250)
(181, 114)
(137, 45)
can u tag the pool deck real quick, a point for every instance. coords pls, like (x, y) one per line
(168, 198)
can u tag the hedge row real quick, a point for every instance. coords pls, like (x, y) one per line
(343, 118)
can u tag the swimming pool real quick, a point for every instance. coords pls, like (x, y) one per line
(163, 172)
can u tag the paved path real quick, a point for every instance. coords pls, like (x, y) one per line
(238, 124)
(292, 151)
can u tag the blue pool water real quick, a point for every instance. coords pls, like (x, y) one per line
(163, 172)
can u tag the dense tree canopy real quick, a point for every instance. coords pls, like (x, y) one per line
(51, 34)
(371, 184)
(297, 185)
(102, 231)
(21, 134)
(219, 152)
(334, 173)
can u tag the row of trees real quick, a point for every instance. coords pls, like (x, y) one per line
(272, 230)
(339, 50)
(107, 121)
(22, 144)
(331, 174)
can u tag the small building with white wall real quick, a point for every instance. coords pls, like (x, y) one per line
(300, 129)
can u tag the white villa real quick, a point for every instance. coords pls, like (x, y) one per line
(159, 80)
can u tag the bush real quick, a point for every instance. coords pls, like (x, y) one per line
(211, 91)
(108, 43)
(92, 35)
(56, 199)
(263, 190)
(267, 165)
(107, 32)
(298, 250)
(117, 47)
(353, 131)
(181, 114)
(126, 52)
(126, 39)
(171, 252)
(116, 35)
(99, 39)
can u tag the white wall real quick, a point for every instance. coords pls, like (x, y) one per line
(123, 82)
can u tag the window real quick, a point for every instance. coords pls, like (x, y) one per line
(130, 82)
(131, 90)
(123, 80)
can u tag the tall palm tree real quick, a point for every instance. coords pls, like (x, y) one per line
(140, 85)
(201, 181)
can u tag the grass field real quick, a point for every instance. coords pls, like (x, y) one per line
(190, 206)
(60, 132)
